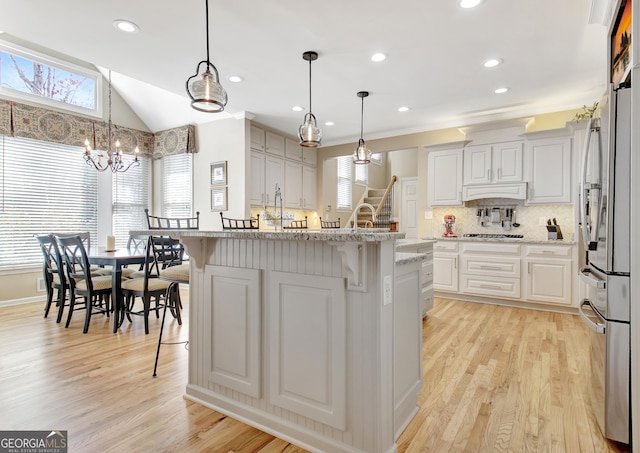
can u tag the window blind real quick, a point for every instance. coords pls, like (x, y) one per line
(46, 188)
(130, 198)
(177, 185)
(344, 182)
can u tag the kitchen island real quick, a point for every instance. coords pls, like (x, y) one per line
(313, 336)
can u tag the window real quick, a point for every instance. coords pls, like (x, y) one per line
(35, 77)
(177, 185)
(362, 174)
(376, 158)
(344, 183)
(130, 198)
(45, 188)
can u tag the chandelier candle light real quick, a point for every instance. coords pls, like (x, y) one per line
(362, 154)
(113, 160)
(309, 134)
(205, 91)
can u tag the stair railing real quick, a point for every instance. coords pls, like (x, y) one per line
(385, 208)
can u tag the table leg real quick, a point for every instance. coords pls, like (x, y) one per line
(116, 294)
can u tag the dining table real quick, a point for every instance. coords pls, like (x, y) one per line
(116, 259)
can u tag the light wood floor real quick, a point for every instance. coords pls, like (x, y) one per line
(495, 379)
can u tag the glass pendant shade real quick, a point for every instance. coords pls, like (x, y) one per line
(362, 154)
(205, 91)
(309, 133)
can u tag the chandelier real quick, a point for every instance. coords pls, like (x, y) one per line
(362, 154)
(205, 91)
(112, 160)
(309, 134)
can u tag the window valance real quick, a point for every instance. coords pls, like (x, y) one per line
(21, 120)
(175, 141)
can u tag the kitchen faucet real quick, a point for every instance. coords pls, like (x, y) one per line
(373, 215)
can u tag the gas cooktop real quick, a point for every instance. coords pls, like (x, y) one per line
(493, 236)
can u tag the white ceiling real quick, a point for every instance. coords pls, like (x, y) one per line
(553, 58)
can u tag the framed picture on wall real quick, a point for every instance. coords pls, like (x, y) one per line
(219, 173)
(219, 199)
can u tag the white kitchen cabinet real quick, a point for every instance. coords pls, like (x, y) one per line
(257, 138)
(257, 179)
(292, 150)
(426, 280)
(309, 156)
(548, 170)
(493, 163)
(490, 269)
(274, 174)
(445, 266)
(300, 182)
(548, 273)
(274, 143)
(445, 177)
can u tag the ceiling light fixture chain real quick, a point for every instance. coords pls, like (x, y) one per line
(362, 154)
(309, 133)
(205, 90)
(112, 160)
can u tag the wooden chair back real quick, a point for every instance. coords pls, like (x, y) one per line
(240, 224)
(297, 225)
(329, 223)
(173, 223)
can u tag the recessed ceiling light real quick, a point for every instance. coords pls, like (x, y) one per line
(297, 108)
(469, 3)
(329, 123)
(403, 109)
(492, 63)
(236, 79)
(501, 90)
(380, 56)
(126, 26)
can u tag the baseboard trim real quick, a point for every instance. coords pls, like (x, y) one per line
(23, 301)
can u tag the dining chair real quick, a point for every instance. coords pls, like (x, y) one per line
(329, 223)
(172, 223)
(252, 223)
(136, 243)
(297, 224)
(95, 290)
(85, 236)
(53, 272)
(148, 287)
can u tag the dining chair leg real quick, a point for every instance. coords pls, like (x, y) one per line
(89, 307)
(72, 304)
(147, 303)
(49, 300)
(171, 299)
(62, 292)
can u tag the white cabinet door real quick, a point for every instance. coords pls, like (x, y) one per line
(257, 138)
(477, 164)
(548, 164)
(257, 179)
(274, 144)
(293, 180)
(445, 178)
(507, 162)
(548, 280)
(308, 187)
(309, 156)
(292, 150)
(445, 272)
(274, 174)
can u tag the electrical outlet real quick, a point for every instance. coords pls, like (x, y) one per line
(388, 290)
(542, 221)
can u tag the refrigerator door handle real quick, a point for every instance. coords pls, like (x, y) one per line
(587, 276)
(585, 189)
(596, 327)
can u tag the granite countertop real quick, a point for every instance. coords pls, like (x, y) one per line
(510, 240)
(337, 234)
(414, 242)
(408, 257)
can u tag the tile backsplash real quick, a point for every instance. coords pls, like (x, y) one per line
(527, 216)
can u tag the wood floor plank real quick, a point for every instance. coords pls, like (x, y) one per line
(494, 379)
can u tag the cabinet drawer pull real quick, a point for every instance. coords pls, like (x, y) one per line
(492, 268)
(550, 252)
(491, 286)
(488, 174)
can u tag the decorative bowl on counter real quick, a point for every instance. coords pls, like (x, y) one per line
(272, 218)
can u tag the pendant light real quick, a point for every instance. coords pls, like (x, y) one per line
(362, 154)
(309, 134)
(205, 91)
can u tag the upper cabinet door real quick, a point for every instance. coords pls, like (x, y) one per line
(274, 144)
(477, 164)
(507, 162)
(548, 162)
(309, 156)
(445, 178)
(257, 179)
(292, 150)
(257, 138)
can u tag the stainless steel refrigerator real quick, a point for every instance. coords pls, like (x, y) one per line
(605, 244)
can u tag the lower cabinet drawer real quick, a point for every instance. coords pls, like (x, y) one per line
(427, 273)
(496, 286)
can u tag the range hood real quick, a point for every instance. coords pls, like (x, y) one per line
(516, 191)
